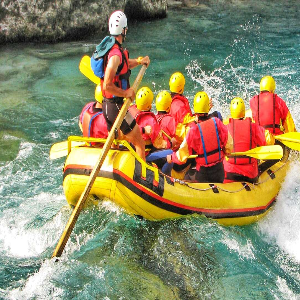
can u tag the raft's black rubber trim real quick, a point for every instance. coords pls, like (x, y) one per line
(169, 180)
(271, 174)
(246, 186)
(150, 197)
(149, 180)
(214, 188)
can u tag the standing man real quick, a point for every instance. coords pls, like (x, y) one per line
(115, 84)
(269, 110)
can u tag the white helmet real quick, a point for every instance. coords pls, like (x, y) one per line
(117, 22)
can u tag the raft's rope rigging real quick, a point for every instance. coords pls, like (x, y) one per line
(224, 190)
(268, 178)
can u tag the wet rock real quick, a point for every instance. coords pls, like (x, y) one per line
(58, 20)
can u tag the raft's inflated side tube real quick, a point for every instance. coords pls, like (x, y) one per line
(141, 190)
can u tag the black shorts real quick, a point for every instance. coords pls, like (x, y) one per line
(240, 178)
(111, 108)
(213, 174)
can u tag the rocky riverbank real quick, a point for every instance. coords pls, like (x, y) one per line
(51, 21)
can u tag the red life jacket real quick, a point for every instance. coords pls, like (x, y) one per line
(176, 110)
(210, 150)
(160, 117)
(87, 120)
(267, 115)
(166, 122)
(167, 126)
(137, 114)
(134, 111)
(241, 132)
(121, 80)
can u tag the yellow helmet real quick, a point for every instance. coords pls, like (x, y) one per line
(163, 101)
(201, 103)
(176, 83)
(237, 108)
(98, 94)
(267, 83)
(144, 98)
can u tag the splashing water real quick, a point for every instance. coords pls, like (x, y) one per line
(223, 48)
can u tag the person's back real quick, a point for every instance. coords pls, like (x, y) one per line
(91, 120)
(165, 120)
(208, 139)
(269, 110)
(146, 120)
(246, 135)
(180, 107)
(156, 146)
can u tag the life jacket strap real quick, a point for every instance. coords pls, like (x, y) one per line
(217, 132)
(271, 126)
(203, 145)
(209, 153)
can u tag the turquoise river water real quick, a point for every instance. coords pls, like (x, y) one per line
(223, 48)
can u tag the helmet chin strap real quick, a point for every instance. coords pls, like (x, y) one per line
(123, 35)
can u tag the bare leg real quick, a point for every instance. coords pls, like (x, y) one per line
(135, 137)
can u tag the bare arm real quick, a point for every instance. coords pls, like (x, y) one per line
(139, 61)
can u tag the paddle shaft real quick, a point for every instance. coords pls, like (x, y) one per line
(74, 216)
(263, 152)
(170, 139)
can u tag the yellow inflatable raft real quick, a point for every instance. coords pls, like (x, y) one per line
(144, 191)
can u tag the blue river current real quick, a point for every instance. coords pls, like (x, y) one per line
(222, 47)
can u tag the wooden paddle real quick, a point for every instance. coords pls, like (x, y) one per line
(86, 70)
(169, 138)
(74, 216)
(290, 139)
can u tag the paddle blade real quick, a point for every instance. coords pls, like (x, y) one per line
(290, 139)
(264, 152)
(86, 70)
(60, 149)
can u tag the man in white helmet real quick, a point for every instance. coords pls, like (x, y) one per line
(115, 84)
